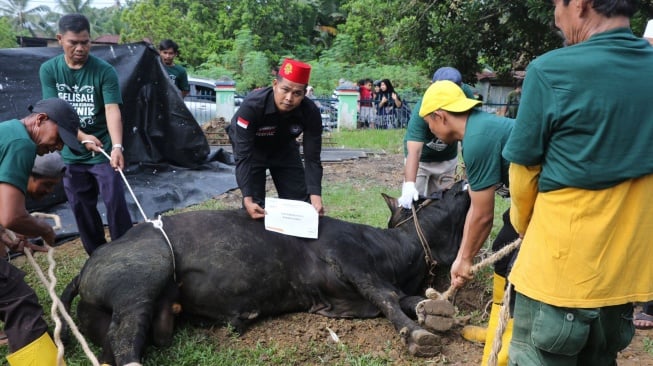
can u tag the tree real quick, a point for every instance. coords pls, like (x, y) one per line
(105, 21)
(23, 18)
(75, 6)
(7, 35)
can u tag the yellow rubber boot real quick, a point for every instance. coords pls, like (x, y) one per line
(41, 352)
(502, 357)
(498, 290)
(476, 333)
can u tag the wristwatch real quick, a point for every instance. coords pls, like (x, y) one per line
(117, 146)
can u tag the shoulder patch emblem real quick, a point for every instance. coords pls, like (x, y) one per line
(243, 122)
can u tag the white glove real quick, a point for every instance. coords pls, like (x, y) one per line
(408, 195)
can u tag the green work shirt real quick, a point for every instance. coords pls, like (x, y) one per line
(17, 154)
(88, 90)
(178, 76)
(418, 130)
(588, 127)
(485, 136)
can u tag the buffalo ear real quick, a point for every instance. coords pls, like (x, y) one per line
(391, 202)
(395, 210)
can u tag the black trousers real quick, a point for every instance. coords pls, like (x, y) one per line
(19, 308)
(287, 171)
(506, 235)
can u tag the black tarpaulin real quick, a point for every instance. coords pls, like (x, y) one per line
(170, 164)
(157, 126)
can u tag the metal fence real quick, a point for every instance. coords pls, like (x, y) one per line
(203, 107)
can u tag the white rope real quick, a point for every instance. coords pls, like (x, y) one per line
(504, 317)
(157, 223)
(435, 295)
(56, 304)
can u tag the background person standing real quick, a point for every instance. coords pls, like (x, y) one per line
(168, 50)
(91, 86)
(430, 164)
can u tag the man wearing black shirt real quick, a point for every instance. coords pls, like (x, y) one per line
(263, 134)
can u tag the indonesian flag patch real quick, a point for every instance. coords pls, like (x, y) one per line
(243, 122)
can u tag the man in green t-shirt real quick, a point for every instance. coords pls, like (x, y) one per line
(430, 164)
(51, 124)
(168, 50)
(452, 116)
(91, 86)
(581, 179)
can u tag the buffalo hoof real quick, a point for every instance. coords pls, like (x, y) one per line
(423, 344)
(436, 315)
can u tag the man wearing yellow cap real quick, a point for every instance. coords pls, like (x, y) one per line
(451, 116)
(263, 134)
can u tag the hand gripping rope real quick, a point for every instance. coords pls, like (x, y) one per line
(504, 315)
(56, 302)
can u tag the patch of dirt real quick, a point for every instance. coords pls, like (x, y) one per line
(308, 334)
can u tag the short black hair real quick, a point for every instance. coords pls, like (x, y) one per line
(169, 43)
(75, 23)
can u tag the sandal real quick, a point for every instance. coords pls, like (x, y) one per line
(643, 321)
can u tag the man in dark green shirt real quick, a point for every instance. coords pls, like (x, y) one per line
(430, 163)
(168, 50)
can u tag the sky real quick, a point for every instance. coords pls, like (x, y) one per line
(53, 4)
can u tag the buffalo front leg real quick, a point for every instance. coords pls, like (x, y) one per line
(420, 342)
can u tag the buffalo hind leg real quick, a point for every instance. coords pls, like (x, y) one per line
(94, 324)
(129, 331)
(163, 323)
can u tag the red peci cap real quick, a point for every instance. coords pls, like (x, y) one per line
(295, 71)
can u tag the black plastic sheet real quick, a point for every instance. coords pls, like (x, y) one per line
(157, 126)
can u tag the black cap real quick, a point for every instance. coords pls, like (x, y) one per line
(49, 165)
(66, 118)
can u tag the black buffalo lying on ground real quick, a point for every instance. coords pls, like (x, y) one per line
(230, 270)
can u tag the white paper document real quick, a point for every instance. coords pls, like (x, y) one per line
(290, 217)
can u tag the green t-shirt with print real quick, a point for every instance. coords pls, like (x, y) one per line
(178, 76)
(485, 136)
(88, 90)
(17, 154)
